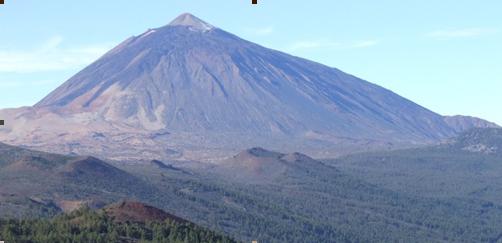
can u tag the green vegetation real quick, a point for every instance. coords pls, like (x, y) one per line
(322, 204)
(435, 194)
(85, 225)
(468, 167)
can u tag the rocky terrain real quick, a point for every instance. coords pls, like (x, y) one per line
(189, 90)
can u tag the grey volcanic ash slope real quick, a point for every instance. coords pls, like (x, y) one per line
(192, 78)
(197, 78)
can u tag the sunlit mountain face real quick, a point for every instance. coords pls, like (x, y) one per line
(191, 90)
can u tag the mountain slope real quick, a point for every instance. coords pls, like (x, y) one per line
(85, 225)
(468, 166)
(180, 78)
(51, 183)
(304, 201)
(465, 123)
(487, 141)
(260, 166)
(129, 211)
(308, 189)
(192, 86)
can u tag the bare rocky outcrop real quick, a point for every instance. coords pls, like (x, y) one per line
(131, 211)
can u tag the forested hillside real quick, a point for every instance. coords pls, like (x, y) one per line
(278, 198)
(86, 225)
(466, 167)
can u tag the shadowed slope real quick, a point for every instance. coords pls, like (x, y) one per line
(48, 180)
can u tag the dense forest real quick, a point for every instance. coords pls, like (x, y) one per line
(86, 225)
(399, 196)
(467, 167)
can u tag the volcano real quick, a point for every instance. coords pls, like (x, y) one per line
(189, 88)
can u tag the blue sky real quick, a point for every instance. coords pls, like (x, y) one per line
(445, 55)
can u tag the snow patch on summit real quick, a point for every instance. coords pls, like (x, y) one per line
(149, 32)
(194, 23)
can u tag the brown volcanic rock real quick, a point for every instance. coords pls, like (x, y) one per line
(54, 181)
(261, 166)
(256, 162)
(138, 212)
